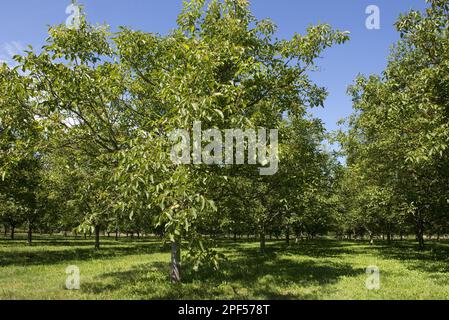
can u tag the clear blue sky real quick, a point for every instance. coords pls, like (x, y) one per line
(24, 22)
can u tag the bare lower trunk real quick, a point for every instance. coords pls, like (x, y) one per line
(287, 235)
(262, 242)
(116, 235)
(420, 235)
(420, 238)
(12, 232)
(97, 237)
(421, 242)
(175, 267)
(30, 235)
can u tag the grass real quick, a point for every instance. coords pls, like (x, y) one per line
(138, 269)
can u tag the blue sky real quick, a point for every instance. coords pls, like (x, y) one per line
(24, 22)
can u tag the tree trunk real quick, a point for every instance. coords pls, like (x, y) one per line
(420, 238)
(420, 234)
(235, 237)
(97, 237)
(389, 238)
(421, 241)
(175, 267)
(287, 235)
(262, 242)
(12, 232)
(116, 235)
(6, 230)
(30, 235)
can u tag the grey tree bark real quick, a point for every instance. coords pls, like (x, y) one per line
(175, 266)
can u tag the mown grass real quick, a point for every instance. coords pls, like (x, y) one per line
(138, 269)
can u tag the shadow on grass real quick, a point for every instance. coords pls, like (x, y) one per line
(79, 251)
(434, 259)
(314, 249)
(247, 277)
(294, 272)
(70, 241)
(301, 271)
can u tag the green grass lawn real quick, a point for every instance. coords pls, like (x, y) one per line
(130, 269)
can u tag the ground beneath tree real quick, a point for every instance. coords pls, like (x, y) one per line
(129, 269)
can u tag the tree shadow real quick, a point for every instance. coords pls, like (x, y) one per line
(39, 255)
(434, 259)
(247, 277)
(71, 241)
(313, 248)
